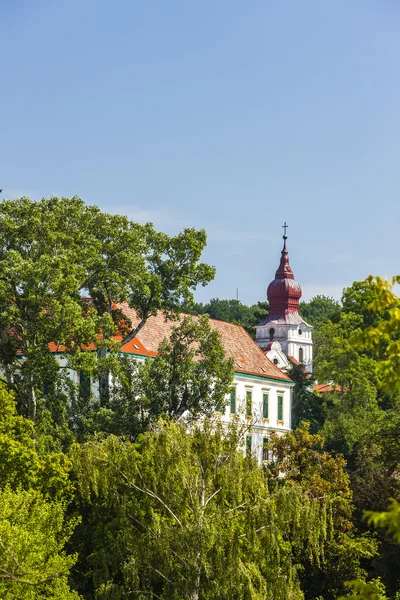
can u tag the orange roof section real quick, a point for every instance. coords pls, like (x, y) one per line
(322, 388)
(238, 344)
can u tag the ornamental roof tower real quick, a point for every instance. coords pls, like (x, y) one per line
(284, 334)
(284, 292)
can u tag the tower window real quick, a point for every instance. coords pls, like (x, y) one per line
(275, 361)
(300, 332)
(301, 355)
(271, 333)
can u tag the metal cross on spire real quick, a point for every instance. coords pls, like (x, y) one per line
(284, 227)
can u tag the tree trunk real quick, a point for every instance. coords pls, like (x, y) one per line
(104, 380)
(196, 587)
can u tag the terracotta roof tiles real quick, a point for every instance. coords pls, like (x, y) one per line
(238, 344)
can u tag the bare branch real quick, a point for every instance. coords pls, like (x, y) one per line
(212, 496)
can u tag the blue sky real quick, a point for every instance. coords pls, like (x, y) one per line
(229, 115)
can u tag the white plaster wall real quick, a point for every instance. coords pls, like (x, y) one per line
(260, 428)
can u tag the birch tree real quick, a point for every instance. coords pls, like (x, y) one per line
(184, 514)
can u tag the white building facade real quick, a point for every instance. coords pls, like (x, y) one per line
(264, 405)
(262, 398)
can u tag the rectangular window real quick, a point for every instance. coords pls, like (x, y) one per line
(280, 408)
(265, 452)
(233, 402)
(265, 405)
(248, 445)
(248, 403)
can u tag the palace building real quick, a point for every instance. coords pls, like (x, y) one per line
(262, 395)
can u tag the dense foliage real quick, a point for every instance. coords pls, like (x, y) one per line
(109, 491)
(184, 514)
(232, 311)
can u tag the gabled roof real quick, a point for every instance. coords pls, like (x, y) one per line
(238, 345)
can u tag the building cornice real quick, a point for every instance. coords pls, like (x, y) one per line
(264, 378)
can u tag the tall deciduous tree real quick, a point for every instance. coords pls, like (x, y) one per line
(44, 255)
(319, 310)
(190, 373)
(183, 514)
(383, 336)
(51, 253)
(307, 405)
(302, 459)
(33, 532)
(34, 488)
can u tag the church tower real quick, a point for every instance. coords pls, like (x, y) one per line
(284, 334)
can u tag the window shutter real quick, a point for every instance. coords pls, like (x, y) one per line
(265, 405)
(280, 408)
(265, 452)
(233, 402)
(248, 403)
(248, 445)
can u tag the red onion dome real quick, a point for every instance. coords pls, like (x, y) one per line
(283, 292)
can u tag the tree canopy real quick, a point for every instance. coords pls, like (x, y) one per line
(55, 251)
(108, 490)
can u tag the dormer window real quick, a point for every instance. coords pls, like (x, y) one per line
(275, 361)
(271, 333)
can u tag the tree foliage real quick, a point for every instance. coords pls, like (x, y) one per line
(319, 310)
(33, 532)
(302, 458)
(52, 252)
(383, 335)
(34, 488)
(190, 373)
(233, 311)
(307, 405)
(186, 515)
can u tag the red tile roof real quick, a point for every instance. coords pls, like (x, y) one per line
(247, 356)
(322, 388)
(293, 359)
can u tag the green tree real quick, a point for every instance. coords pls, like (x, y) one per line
(183, 514)
(302, 458)
(34, 488)
(51, 253)
(319, 310)
(190, 376)
(33, 533)
(44, 254)
(383, 336)
(22, 465)
(307, 405)
(375, 590)
(358, 298)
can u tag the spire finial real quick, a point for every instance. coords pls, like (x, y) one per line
(284, 227)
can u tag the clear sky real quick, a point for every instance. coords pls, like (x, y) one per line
(229, 115)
